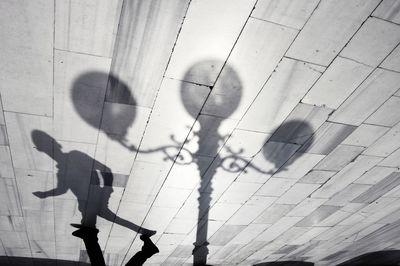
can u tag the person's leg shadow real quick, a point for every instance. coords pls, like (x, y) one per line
(89, 237)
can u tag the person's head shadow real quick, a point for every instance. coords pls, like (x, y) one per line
(75, 172)
(45, 143)
(118, 113)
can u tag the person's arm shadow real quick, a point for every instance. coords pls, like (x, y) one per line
(50, 193)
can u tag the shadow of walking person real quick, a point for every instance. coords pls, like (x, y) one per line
(72, 174)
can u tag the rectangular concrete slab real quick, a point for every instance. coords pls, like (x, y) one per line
(239, 192)
(339, 157)
(317, 176)
(388, 10)
(145, 181)
(3, 135)
(368, 97)
(225, 234)
(372, 42)
(10, 197)
(282, 92)
(393, 160)
(2, 120)
(24, 150)
(297, 193)
(288, 13)
(273, 213)
(88, 27)
(318, 215)
(346, 176)
(340, 79)
(27, 56)
(308, 236)
(30, 181)
(392, 62)
(375, 174)
(329, 29)
(326, 138)
(387, 115)
(6, 165)
(188, 176)
(298, 165)
(251, 210)
(349, 194)
(306, 207)
(275, 187)
(379, 189)
(365, 135)
(387, 144)
(171, 197)
(278, 228)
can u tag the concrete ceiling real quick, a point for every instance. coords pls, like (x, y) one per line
(257, 131)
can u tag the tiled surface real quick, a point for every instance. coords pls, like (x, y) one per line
(260, 130)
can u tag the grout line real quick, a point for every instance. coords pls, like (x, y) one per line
(387, 69)
(23, 113)
(397, 24)
(190, 82)
(378, 108)
(81, 53)
(53, 130)
(356, 61)
(384, 59)
(304, 61)
(282, 25)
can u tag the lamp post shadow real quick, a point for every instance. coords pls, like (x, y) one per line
(223, 100)
(209, 140)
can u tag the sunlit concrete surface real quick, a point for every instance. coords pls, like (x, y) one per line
(234, 132)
